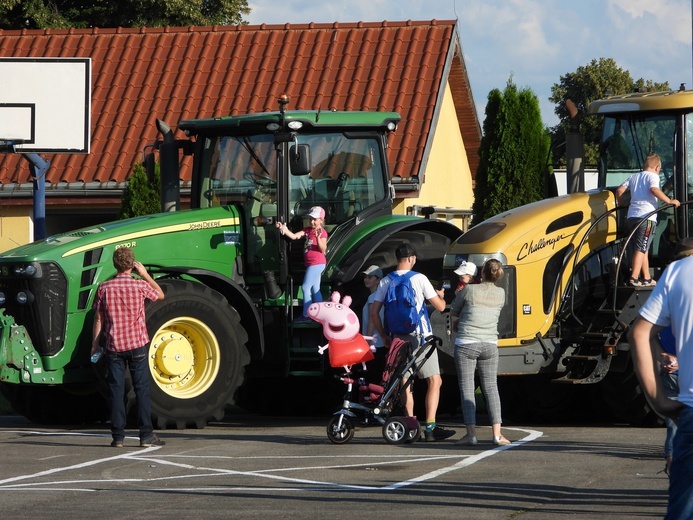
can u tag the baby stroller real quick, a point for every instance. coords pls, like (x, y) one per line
(373, 404)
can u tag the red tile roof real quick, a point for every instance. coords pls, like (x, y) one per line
(182, 73)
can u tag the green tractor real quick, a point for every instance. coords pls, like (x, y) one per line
(232, 282)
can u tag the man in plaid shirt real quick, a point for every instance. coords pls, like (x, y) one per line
(119, 315)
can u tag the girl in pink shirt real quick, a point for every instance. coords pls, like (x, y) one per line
(313, 255)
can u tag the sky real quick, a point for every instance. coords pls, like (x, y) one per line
(533, 41)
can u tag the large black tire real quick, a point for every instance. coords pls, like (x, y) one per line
(57, 405)
(197, 355)
(625, 399)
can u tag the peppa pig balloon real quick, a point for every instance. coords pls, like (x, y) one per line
(341, 327)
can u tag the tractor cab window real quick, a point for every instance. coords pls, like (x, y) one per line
(242, 170)
(346, 176)
(626, 141)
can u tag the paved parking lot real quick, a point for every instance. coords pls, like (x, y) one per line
(260, 467)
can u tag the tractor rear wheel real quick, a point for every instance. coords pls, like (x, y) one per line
(197, 354)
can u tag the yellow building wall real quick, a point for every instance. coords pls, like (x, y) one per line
(16, 226)
(447, 179)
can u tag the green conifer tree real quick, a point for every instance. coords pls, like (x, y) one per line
(513, 153)
(142, 195)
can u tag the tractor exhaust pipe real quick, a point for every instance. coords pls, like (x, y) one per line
(574, 152)
(169, 168)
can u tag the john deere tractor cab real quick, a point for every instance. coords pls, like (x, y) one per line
(563, 342)
(280, 175)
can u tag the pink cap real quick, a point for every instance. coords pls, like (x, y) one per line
(316, 212)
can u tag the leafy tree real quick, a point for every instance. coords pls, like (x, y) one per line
(142, 195)
(64, 14)
(594, 81)
(513, 153)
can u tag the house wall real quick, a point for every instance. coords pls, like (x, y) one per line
(16, 226)
(447, 178)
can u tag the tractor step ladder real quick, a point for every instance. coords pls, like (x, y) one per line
(304, 358)
(597, 346)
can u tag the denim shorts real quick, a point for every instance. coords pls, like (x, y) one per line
(644, 235)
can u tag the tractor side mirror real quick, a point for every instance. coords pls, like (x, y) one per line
(299, 159)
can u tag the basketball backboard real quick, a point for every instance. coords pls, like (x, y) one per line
(45, 104)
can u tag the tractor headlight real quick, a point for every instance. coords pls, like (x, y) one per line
(25, 297)
(23, 270)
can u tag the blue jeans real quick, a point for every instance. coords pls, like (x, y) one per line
(311, 286)
(671, 390)
(136, 361)
(681, 477)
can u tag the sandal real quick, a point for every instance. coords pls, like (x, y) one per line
(648, 283)
(634, 282)
(501, 441)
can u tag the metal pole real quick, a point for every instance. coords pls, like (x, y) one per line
(38, 167)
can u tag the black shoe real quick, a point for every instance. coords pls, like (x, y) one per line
(438, 434)
(151, 441)
(117, 443)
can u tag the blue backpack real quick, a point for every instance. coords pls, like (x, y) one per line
(401, 316)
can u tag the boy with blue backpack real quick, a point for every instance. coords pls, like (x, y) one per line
(403, 294)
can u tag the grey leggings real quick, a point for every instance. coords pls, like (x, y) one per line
(468, 358)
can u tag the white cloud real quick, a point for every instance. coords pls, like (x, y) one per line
(653, 38)
(654, 21)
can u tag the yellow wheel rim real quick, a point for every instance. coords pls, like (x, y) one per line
(184, 357)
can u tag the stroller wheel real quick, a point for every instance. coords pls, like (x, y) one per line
(340, 429)
(414, 435)
(397, 431)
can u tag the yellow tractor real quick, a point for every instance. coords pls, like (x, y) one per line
(563, 343)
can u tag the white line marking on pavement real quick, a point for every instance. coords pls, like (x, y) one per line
(22, 482)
